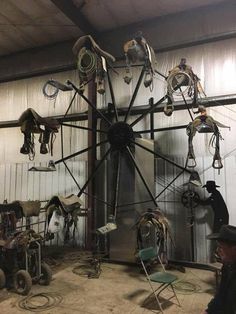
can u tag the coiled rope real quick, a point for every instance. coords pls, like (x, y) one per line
(87, 63)
(32, 301)
(50, 90)
(186, 287)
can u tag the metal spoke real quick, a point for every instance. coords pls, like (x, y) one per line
(169, 184)
(62, 144)
(149, 110)
(163, 157)
(186, 104)
(141, 176)
(89, 102)
(112, 96)
(70, 104)
(83, 128)
(94, 172)
(96, 198)
(134, 203)
(153, 107)
(79, 152)
(135, 93)
(115, 202)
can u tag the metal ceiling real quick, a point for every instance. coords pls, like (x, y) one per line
(28, 24)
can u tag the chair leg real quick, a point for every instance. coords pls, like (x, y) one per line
(159, 304)
(175, 295)
(156, 296)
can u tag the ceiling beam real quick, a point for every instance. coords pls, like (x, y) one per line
(68, 8)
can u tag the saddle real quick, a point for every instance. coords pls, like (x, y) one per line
(91, 59)
(67, 204)
(182, 75)
(204, 124)
(138, 50)
(30, 123)
(67, 207)
(21, 208)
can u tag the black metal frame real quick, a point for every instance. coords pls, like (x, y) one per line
(107, 118)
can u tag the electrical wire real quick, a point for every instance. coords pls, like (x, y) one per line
(186, 287)
(46, 91)
(51, 299)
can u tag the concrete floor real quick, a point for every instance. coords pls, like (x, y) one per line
(119, 289)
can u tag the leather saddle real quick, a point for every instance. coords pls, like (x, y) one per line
(91, 59)
(21, 208)
(138, 50)
(67, 204)
(31, 122)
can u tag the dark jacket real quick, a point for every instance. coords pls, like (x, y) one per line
(221, 215)
(224, 301)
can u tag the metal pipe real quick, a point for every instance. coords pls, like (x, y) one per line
(163, 129)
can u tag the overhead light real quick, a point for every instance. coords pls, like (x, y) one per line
(50, 167)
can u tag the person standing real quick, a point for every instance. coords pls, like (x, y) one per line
(224, 301)
(216, 201)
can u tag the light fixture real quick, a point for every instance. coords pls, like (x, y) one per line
(49, 168)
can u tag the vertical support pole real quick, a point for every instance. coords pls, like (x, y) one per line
(27, 223)
(192, 221)
(151, 103)
(92, 123)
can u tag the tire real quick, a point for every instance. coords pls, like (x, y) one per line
(22, 282)
(46, 277)
(2, 279)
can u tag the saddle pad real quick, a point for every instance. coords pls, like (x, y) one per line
(30, 208)
(68, 203)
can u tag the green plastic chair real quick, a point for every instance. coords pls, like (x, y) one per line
(164, 278)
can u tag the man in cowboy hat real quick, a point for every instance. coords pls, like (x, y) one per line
(224, 301)
(216, 201)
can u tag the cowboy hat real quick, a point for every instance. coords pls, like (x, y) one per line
(211, 184)
(227, 234)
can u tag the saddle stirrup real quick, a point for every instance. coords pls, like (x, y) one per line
(148, 79)
(217, 163)
(28, 146)
(191, 162)
(44, 140)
